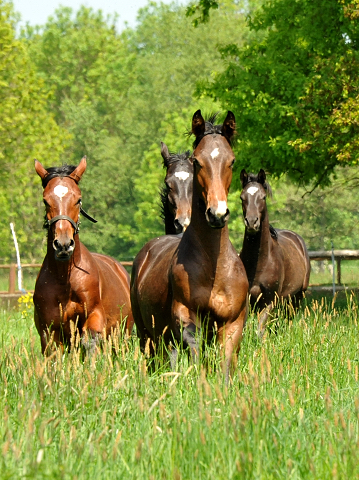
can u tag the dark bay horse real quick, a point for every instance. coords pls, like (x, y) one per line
(276, 261)
(176, 195)
(180, 285)
(90, 289)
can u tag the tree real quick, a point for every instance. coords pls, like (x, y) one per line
(27, 130)
(113, 92)
(295, 88)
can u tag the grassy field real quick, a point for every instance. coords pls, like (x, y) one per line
(290, 411)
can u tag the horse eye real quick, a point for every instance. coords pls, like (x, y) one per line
(231, 165)
(79, 201)
(46, 204)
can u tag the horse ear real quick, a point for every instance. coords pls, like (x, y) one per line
(262, 176)
(229, 126)
(40, 170)
(165, 154)
(198, 124)
(244, 178)
(79, 170)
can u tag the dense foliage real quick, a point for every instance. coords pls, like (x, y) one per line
(76, 86)
(27, 130)
(295, 84)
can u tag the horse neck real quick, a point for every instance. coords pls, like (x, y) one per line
(214, 242)
(168, 219)
(63, 269)
(256, 247)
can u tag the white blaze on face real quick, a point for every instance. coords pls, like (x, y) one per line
(60, 191)
(252, 190)
(215, 153)
(182, 175)
(221, 209)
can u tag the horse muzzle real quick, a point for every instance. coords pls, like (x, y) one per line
(63, 251)
(181, 224)
(252, 225)
(216, 219)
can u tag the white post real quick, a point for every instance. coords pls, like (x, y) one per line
(19, 276)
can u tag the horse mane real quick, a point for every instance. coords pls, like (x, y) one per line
(253, 178)
(53, 172)
(171, 160)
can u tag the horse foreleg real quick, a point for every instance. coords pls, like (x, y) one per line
(190, 336)
(229, 336)
(263, 317)
(92, 330)
(186, 320)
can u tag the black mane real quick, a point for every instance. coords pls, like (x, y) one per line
(53, 172)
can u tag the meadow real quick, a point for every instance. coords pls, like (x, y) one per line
(290, 411)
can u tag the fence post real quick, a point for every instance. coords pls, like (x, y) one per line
(339, 271)
(12, 278)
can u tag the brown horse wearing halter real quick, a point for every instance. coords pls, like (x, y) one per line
(276, 261)
(182, 285)
(89, 289)
(176, 195)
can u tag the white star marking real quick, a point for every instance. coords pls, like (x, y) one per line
(182, 175)
(252, 190)
(215, 153)
(60, 191)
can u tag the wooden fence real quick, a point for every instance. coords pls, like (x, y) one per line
(319, 255)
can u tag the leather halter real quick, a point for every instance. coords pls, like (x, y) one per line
(76, 225)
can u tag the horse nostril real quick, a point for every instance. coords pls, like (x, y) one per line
(178, 226)
(72, 243)
(56, 245)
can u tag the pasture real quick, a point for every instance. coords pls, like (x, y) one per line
(290, 411)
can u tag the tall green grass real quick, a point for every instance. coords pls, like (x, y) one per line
(290, 410)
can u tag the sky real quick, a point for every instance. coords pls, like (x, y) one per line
(36, 12)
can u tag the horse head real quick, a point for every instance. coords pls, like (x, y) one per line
(62, 199)
(213, 159)
(177, 194)
(253, 197)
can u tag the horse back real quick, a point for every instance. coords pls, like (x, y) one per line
(296, 261)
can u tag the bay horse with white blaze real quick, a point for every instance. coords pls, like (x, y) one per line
(180, 285)
(176, 195)
(276, 261)
(89, 289)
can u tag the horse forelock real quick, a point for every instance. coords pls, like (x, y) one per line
(181, 158)
(253, 178)
(54, 172)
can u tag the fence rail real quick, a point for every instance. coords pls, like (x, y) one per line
(314, 255)
(12, 267)
(339, 255)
